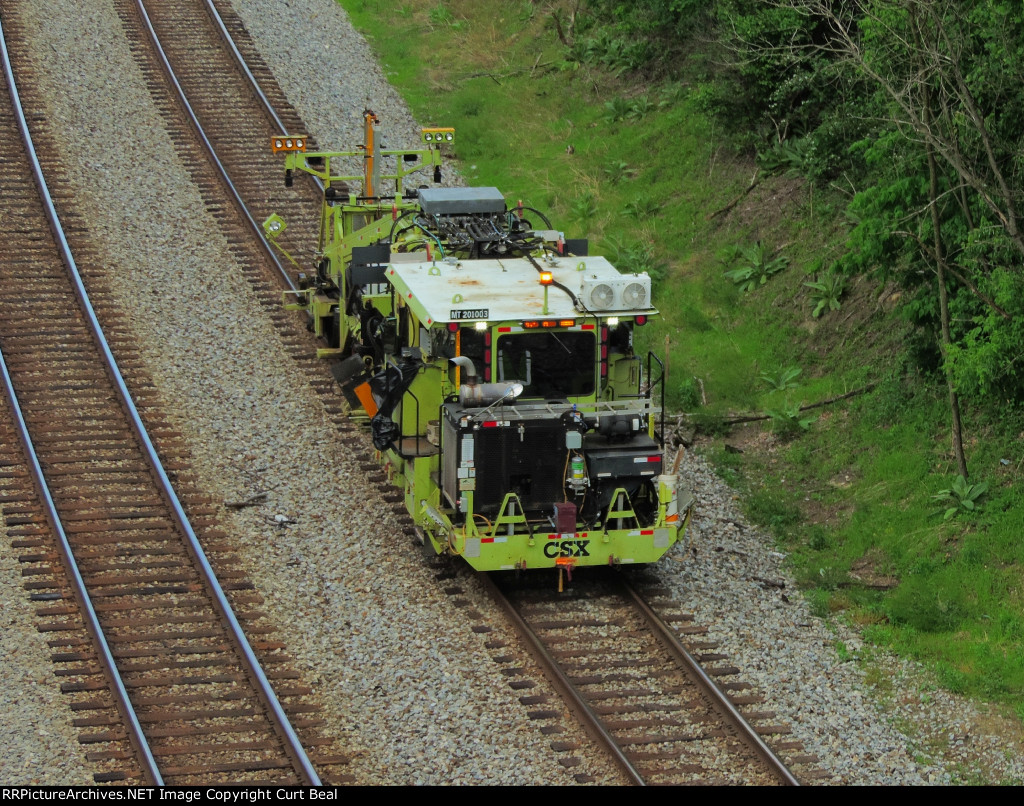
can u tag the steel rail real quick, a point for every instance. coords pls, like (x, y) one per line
(229, 42)
(292, 744)
(271, 112)
(590, 721)
(139, 742)
(197, 126)
(283, 727)
(722, 703)
(150, 770)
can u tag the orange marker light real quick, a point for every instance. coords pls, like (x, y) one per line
(546, 278)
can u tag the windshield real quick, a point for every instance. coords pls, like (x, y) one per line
(548, 364)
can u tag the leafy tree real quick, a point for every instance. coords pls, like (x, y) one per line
(780, 81)
(917, 104)
(949, 73)
(944, 209)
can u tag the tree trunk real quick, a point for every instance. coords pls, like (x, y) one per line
(940, 265)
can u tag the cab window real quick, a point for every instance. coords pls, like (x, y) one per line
(549, 364)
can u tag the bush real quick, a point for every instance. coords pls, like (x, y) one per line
(767, 508)
(688, 394)
(960, 497)
(758, 264)
(923, 603)
(826, 293)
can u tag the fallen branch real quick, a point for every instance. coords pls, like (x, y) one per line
(251, 501)
(754, 182)
(508, 74)
(769, 583)
(751, 418)
(558, 29)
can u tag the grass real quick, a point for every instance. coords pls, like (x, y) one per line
(639, 170)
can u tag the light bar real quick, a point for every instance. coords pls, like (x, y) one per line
(437, 135)
(294, 143)
(533, 324)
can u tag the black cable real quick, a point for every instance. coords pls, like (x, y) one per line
(391, 235)
(544, 218)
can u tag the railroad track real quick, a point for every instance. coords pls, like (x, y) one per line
(639, 692)
(224, 106)
(229, 116)
(166, 684)
(198, 58)
(236, 128)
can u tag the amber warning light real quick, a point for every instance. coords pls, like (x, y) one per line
(533, 324)
(546, 278)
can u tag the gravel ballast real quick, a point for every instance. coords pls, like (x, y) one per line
(406, 684)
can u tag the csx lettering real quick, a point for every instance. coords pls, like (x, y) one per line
(567, 548)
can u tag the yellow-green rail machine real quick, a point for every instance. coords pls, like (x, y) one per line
(494, 361)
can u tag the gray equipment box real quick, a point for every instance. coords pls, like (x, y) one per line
(461, 201)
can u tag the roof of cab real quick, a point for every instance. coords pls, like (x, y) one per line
(500, 289)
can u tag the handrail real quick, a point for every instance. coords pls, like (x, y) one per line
(660, 382)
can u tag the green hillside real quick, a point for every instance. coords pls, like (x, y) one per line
(788, 210)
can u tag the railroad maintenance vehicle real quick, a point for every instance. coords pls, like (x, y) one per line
(493, 361)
